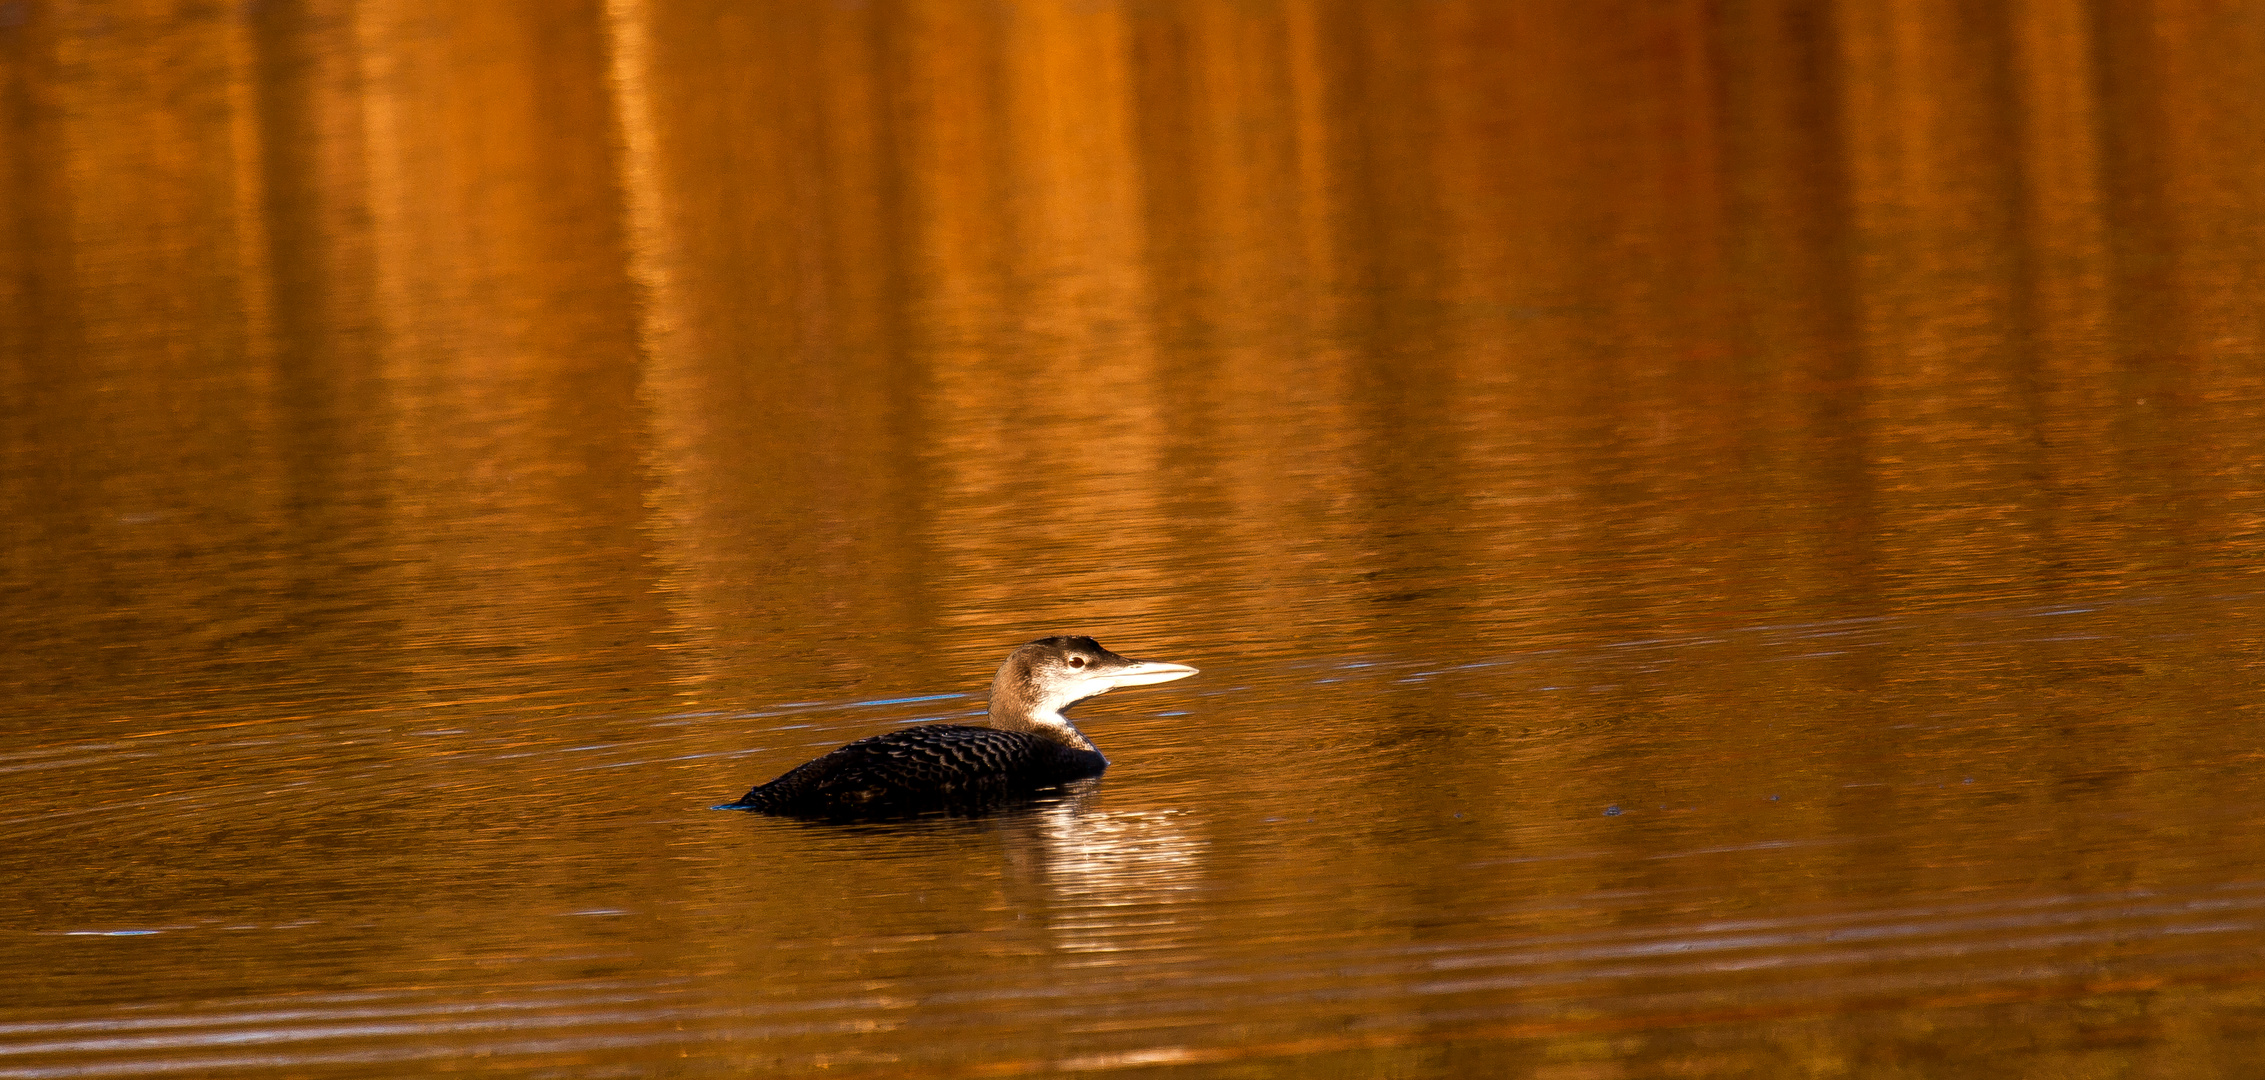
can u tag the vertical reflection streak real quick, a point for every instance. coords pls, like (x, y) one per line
(653, 252)
(374, 35)
(247, 139)
(663, 328)
(2055, 63)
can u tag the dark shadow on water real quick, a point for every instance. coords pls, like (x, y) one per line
(994, 809)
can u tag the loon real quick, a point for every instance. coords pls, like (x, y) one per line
(1030, 745)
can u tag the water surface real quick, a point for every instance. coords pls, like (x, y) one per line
(1722, 540)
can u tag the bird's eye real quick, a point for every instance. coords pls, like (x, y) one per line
(1077, 661)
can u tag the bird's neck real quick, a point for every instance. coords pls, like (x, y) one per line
(1045, 724)
(1014, 707)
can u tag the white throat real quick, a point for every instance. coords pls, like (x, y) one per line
(1059, 726)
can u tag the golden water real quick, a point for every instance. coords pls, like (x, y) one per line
(1723, 539)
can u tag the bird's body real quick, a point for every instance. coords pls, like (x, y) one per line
(929, 767)
(1030, 747)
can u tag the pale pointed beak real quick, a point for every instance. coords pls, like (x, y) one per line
(1138, 673)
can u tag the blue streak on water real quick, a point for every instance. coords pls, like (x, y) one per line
(906, 700)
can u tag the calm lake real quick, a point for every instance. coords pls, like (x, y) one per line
(1723, 539)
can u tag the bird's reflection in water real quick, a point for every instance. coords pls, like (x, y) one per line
(1105, 880)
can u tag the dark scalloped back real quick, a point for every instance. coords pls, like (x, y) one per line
(918, 769)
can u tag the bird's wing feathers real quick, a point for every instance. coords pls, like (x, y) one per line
(909, 767)
(934, 757)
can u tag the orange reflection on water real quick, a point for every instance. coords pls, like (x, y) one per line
(436, 434)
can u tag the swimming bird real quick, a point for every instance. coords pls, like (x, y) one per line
(1028, 746)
